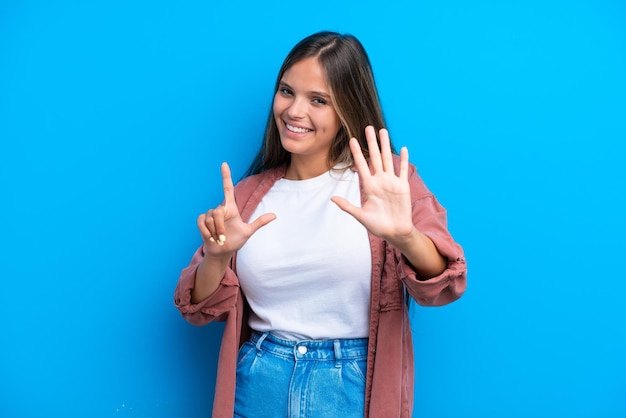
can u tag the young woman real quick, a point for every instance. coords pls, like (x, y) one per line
(310, 258)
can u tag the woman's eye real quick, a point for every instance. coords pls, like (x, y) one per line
(285, 91)
(319, 101)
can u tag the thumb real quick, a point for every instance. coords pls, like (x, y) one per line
(346, 206)
(261, 221)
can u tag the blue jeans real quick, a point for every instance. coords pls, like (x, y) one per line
(308, 378)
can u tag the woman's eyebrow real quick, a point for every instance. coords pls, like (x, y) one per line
(320, 93)
(312, 92)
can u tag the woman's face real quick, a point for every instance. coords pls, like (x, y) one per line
(304, 114)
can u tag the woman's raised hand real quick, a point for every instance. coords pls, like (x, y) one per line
(222, 228)
(386, 207)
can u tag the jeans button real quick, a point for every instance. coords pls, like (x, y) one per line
(302, 349)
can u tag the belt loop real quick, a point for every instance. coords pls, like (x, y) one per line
(258, 343)
(337, 348)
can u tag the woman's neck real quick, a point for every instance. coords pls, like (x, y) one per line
(303, 169)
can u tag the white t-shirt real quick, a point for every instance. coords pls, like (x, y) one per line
(307, 274)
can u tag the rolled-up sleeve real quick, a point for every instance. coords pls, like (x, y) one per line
(430, 218)
(216, 306)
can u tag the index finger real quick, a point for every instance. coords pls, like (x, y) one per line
(227, 185)
(357, 155)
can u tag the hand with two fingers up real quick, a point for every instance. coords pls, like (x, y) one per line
(223, 232)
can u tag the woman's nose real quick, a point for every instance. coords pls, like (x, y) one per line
(296, 108)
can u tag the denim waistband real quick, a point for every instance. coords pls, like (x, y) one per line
(332, 350)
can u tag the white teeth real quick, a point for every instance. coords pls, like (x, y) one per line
(296, 129)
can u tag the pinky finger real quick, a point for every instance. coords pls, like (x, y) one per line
(404, 163)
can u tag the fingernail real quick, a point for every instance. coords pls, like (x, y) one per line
(222, 238)
(211, 239)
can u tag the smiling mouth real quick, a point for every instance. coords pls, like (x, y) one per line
(296, 129)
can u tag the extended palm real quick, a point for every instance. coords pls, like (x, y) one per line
(386, 200)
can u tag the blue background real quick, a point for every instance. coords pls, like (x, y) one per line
(115, 117)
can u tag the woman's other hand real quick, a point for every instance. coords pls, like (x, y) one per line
(222, 229)
(386, 200)
(386, 203)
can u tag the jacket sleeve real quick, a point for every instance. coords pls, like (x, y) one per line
(225, 298)
(214, 307)
(429, 217)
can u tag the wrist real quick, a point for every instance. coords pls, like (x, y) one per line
(407, 241)
(216, 260)
(421, 253)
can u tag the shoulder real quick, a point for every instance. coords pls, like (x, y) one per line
(247, 186)
(256, 179)
(250, 182)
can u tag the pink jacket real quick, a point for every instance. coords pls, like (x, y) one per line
(389, 385)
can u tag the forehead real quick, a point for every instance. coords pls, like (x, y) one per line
(307, 74)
